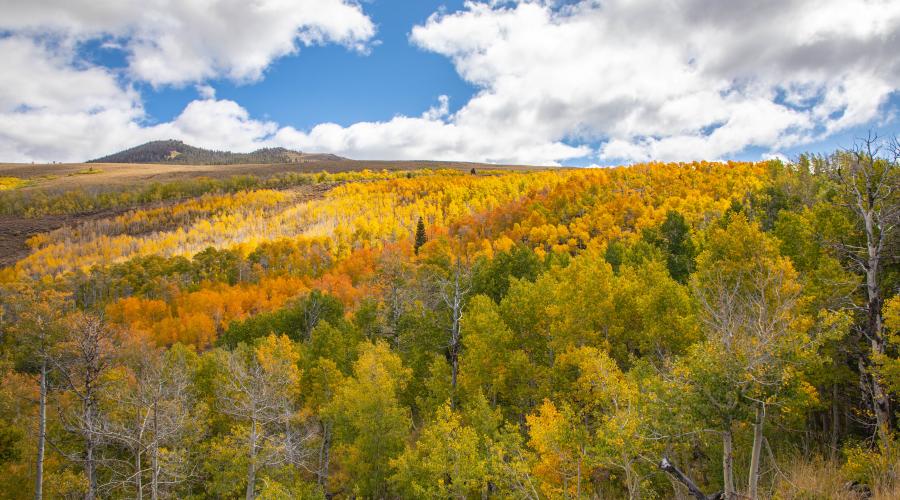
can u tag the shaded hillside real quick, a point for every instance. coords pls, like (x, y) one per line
(179, 153)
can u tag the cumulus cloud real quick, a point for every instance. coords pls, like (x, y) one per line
(418, 138)
(51, 110)
(55, 105)
(610, 81)
(673, 80)
(181, 41)
(217, 124)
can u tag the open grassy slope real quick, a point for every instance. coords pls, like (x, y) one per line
(63, 176)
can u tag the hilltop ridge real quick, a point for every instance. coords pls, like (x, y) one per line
(176, 152)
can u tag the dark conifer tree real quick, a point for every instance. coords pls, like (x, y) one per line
(421, 238)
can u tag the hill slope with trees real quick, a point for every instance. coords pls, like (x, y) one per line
(663, 330)
(178, 153)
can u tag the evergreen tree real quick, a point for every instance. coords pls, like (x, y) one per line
(421, 238)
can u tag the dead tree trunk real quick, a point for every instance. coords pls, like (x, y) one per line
(670, 468)
(868, 187)
(453, 293)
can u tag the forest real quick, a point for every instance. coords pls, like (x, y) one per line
(700, 330)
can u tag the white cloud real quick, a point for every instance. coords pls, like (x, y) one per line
(37, 78)
(432, 136)
(206, 91)
(55, 106)
(217, 124)
(439, 111)
(425, 138)
(50, 110)
(53, 111)
(672, 80)
(181, 41)
(644, 79)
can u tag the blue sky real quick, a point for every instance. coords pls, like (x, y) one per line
(330, 83)
(543, 82)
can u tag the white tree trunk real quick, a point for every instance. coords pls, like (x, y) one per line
(728, 463)
(251, 464)
(42, 435)
(154, 455)
(753, 486)
(138, 469)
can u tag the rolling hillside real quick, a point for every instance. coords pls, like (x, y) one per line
(179, 153)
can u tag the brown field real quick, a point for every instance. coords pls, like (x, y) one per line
(64, 176)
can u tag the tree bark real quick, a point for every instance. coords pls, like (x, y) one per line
(632, 480)
(874, 327)
(728, 463)
(154, 454)
(42, 434)
(870, 189)
(138, 479)
(90, 469)
(325, 456)
(454, 299)
(753, 487)
(835, 419)
(578, 479)
(251, 464)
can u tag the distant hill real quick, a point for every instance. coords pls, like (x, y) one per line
(179, 153)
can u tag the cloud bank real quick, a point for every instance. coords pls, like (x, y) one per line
(610, 81)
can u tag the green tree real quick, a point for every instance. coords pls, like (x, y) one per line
(322, 379)
(756, 340)
(218, 266)
(370, 423)
(674, 238)
(491, 277)
(490, 356)
(447, 461)
(661, 315)
(421, 237)
(296, 320)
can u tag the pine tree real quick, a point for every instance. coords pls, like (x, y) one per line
(421, 238)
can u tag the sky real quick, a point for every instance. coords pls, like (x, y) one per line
(582, 83)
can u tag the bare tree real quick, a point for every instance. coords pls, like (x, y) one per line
(454, 291)
(87, 352)
(394, 276)
(259, 396)
(867, 178)
(151, 409)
